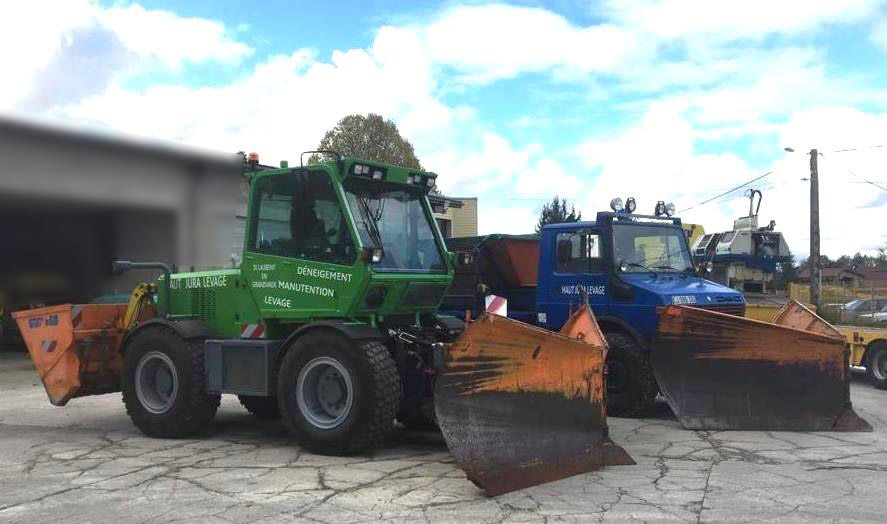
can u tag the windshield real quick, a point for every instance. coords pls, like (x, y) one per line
(391, 217)
(651, 248)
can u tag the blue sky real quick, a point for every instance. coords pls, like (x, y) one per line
(511, 102)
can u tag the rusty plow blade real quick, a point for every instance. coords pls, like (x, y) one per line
(722, 372)
(519, 405)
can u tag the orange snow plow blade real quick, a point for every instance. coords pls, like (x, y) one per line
(519, 406)
(723, 372)
(74, 348)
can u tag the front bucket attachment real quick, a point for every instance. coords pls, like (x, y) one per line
(520, 406)
(722, 372)
(74, 348)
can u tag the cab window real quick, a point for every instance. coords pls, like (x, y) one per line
(297, 215)
(579, 253)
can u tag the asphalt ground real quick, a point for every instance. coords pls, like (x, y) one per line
(87, 463)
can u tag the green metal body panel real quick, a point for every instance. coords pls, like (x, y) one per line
(281, 293)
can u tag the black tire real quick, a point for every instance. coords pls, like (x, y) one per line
(876, 364)
(265, 408)
(631, 386)
(375, 393)
(190, 409)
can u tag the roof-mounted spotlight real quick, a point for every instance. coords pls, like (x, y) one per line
(616, 205)
(630, 205)
(663, 209)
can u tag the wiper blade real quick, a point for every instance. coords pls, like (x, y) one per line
(636, 264)
(372, 220)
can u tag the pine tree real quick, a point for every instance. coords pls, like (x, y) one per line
(555, 212)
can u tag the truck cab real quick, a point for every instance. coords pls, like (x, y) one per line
(625, 266)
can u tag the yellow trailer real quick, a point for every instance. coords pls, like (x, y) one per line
(868, 349)
(765, 307)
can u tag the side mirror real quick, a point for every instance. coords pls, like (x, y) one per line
(119, 267)
(461, 258)
(372, 255)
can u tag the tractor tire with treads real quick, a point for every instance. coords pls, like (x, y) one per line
(631, 385)
(338, 396)
(164, 387)
(265, 408)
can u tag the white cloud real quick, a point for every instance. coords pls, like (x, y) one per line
(493, 217)
(498, 41)
(655, 161)
(170, 38)
(287, 102)
(74, 48)
(726, 21)
(879, 33)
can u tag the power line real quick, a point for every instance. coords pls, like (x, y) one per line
(726, 192)
(882, 188)
(858, 148)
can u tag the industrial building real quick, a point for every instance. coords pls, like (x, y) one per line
(71, 201)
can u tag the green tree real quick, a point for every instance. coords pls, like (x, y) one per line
(555, 212)
(370, 137)
(786, 272)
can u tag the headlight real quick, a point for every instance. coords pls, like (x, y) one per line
(669, 209)
(616, 204)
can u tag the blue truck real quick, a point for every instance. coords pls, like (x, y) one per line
(624, 265)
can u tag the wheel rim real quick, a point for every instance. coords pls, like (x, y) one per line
(324, 392)
(156, 382)
(879, 366)
(617, 377)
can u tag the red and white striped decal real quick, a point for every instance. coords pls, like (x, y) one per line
(252, 331)
(48, 346)
(76, 315)
(497, 305)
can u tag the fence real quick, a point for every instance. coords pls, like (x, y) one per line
(851, 306)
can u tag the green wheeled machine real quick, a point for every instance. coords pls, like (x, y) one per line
(332, 308)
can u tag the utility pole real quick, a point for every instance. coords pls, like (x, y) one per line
(815, 263)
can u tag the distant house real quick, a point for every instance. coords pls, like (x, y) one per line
(455, 216)
(834, 276)
(874, 278)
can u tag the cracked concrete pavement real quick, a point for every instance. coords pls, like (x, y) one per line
(87, 463)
